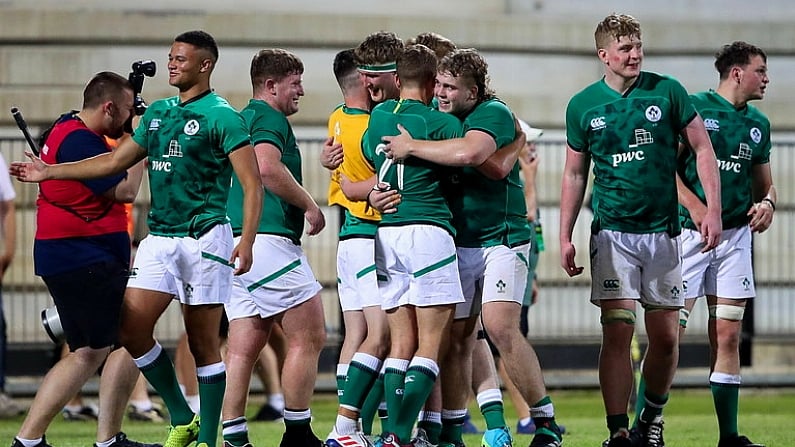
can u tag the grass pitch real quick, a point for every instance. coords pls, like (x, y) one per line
(765, 415)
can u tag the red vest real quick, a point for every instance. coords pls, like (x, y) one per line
(67, 208)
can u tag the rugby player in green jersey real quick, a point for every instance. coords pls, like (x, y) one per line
(374, 56)
(415, 254)
(629, 124)
(193, 142)
(280, 288)
(740, 134)
(366, 76)
(492, 244)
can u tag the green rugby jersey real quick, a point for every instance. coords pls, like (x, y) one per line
(268, 125)
(353, 227)
(188, 145)
(417, 180)
(488, 212)
(632, 140)
(741, 139)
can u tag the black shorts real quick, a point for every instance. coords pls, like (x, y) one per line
(89, 300)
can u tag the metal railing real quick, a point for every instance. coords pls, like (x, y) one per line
(562, 313)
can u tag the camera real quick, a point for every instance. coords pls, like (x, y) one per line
(140, 69)
(52, 324)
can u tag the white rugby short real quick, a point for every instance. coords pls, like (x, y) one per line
(497, 273)
(725, 272)
(416, 265)
(279, 279)
(356, 279)
(644, 267)
(197, 271)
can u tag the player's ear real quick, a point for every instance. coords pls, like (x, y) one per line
(601, 53)
(108, 108)
(737, 73)
(270, 85)
(206, 65)
(473, 93)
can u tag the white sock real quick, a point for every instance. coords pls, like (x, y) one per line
(106, 443)
(193, 402)
(141, 405)
(345, 425)
(29, 442)
(276, 401)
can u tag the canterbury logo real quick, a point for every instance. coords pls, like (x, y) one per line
(610, 284)
(712, 124)
(598, 123)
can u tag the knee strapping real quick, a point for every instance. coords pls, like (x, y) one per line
(684, 315)
(618, 316)
(727, 312)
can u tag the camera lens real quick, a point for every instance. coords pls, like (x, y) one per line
(52, 324)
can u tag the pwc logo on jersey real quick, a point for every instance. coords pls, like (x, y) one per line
(730, 166)
(744, 152)
(598, 123)
(642, 138)
(174, 150)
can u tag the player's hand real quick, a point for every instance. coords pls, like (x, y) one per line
(697, 214)
(33, 171)
(242, 257)
(398, 147)
(316, 220)
(534, 293)
(528, 160)
(331, 155)
(517, 126)
(567, 253)
(384, 199)
(761, 214)
(710, 230)
(5, 261)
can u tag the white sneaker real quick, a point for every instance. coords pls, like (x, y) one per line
(357, 439)
(9, 408)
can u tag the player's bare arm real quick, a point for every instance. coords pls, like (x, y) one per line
(471, 150)
(572, 192)
(697, 138)
(765, 198)
(529, 164)
(501, 162)
(688, 199)
(244, 163)
(8, 222)
(278, 180)
(125, 156)
(377, 195)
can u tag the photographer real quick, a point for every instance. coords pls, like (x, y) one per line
(82, 252)
(194, 141)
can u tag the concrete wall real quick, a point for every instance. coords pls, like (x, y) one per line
(540, 52)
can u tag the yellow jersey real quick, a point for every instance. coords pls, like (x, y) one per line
(347, 126)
